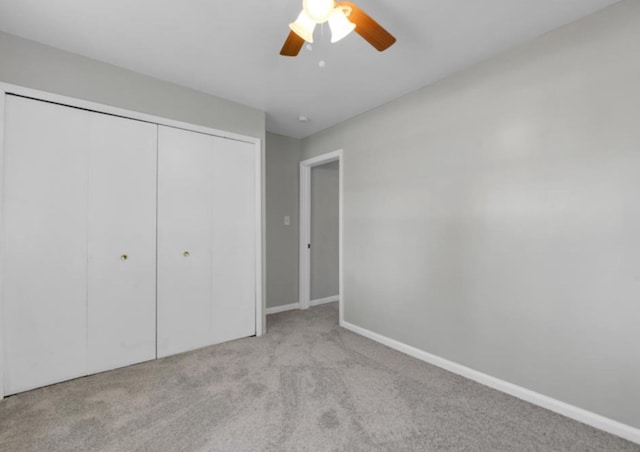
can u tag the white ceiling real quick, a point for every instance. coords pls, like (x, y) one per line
(231, 48)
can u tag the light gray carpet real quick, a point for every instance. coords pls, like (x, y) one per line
(306, 386)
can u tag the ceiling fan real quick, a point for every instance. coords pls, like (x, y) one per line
(343, 18)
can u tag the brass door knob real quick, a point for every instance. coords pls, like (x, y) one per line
(124, 257)
(186, 254)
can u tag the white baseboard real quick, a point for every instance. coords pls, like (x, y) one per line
(320, 301)
(286, 307)
(292, 306)
(573, 412)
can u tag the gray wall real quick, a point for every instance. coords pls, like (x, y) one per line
(493, 218)
(34, 65)
(325, 184)
(282, 180)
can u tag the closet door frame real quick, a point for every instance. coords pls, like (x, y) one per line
(8, 89)
(3, 96)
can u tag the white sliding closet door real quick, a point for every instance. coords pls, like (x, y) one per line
(122, 242)
(206, 208)
(45, 239)
(184, 240)
(234, 240)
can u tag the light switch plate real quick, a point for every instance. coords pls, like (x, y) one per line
(287, 220)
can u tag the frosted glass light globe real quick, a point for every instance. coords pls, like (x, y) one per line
(318, 10)
(303, 26)
(340, 25)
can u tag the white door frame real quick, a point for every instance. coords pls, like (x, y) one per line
(305, 226)
(6, 88)
(2, 242)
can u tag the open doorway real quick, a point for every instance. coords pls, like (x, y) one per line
(321, 194)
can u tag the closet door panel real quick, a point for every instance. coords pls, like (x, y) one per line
(45, 236)
(184, 241)
(122, 242)
(233, 248)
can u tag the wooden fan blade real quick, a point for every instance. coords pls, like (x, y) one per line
(368, 28)
(292, 45)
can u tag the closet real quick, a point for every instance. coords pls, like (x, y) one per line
(123, 241)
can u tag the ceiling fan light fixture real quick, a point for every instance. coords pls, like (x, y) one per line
(304, 26)
(318, 10)
(340, 25)
(343, 18)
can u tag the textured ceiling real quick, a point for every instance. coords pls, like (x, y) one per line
(230, 49)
